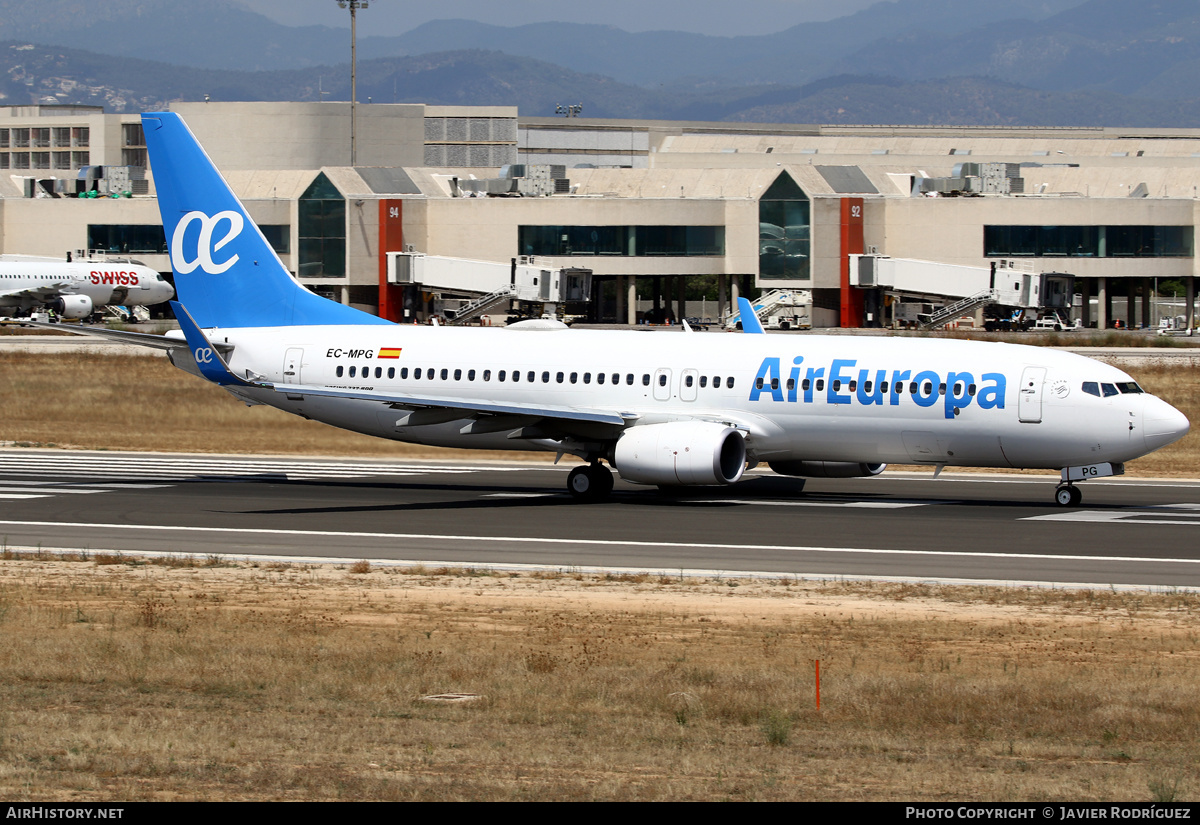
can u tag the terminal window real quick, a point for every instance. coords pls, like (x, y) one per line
(1088, 241)
(623, 241)
(322, 231)
(784, 231)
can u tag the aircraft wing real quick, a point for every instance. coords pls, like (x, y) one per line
(45, 292)
(140, 339)
(467, 408)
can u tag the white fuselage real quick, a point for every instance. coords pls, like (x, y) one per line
(822, 398)
(29, 284)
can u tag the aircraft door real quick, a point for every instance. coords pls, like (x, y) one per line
(1029, 401)
(662, 384)
(688, 382)
(293, 360)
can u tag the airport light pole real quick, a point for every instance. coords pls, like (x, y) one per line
(354, 6)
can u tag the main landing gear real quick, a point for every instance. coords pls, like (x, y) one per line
(1068, 495)
(591, 482)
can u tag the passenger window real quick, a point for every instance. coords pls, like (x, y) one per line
(729, 382)
(379, 372)
(837, 385)
(820, 385)
(853, 385)
(445, 374)
(546, 377)
(470, 375)
(971, 390)
(912, 388)
(703, 381)
(1092, 388)
(758, 385)
(774, 383)
(457, 375)
(645, 379)
(487, 375)
(662, 380)
(899, 388)
(516, 376)
(883, 386)
(687, 381)
(501, 374)
(958, 389)
(1109, 389)
(942, 388)
(599, 378)
(629, 379)
(391, 372)
(352, 369)
(805, 384)
(866, 386)
(928, 388)
(404, 372)
(531, 376)
(417, 373)
(558, 377)
(339, 371)
(587, 378)
(716, 382)
(574, 378)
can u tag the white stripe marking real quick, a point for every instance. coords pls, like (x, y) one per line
(595, 542)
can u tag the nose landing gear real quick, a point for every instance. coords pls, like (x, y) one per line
(1068, 495)
(591, 482)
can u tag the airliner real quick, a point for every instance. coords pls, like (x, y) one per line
(76, 289)
(666, 409)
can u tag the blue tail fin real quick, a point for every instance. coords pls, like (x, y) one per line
(226, 273)
(749, 318)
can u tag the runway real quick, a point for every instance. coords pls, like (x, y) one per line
(960, 527)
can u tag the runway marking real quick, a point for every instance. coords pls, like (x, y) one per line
(258, 531)
(12, 492)
(895, 504)
(1171, 514)
(217, 468)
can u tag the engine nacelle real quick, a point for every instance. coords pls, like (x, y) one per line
(681, 453)
(72, 306)
(826, 469)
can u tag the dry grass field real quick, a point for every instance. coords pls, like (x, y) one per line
(136, 402)
(128, 681)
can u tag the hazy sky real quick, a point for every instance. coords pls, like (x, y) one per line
(722, 17)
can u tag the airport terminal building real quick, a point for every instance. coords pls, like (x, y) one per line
(662, 209)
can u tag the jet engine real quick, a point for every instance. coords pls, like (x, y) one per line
(681, 453)
(826, 469)
(72, 306)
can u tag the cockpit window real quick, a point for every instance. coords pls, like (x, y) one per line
(1092, 388)
(1129, 387)
(1109, 390)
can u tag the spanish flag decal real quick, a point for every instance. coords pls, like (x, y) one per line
(389, 352)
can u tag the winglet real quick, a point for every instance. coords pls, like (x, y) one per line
(749, 319)
(209, 361)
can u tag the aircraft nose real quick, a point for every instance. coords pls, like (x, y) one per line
(1162, 424)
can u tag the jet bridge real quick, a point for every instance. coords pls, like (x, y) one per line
(460, 289)
(931, 294)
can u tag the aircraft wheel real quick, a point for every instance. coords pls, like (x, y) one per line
(1068, 495)
(590, 483)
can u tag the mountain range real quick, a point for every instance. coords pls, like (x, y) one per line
(1023, 62)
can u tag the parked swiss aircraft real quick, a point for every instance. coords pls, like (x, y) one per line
(662, 409)
(76, 289)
